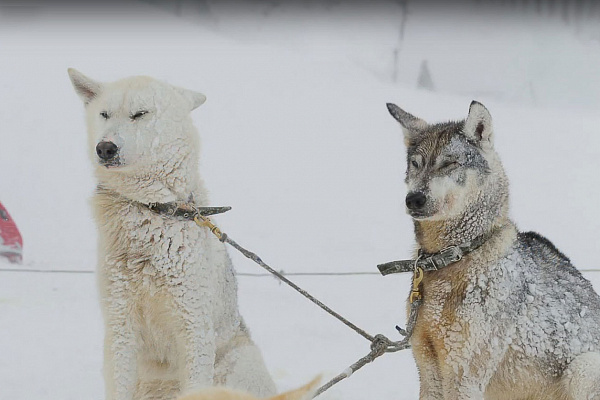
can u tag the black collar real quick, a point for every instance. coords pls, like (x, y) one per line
(435, 261)
(175, 209)
(185, 211)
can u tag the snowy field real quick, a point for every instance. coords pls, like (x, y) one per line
(297, 139)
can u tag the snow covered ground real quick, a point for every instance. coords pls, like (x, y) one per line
(297, 139)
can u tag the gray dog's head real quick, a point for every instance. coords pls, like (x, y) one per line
(451, 165)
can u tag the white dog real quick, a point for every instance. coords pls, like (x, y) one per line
(168, 290)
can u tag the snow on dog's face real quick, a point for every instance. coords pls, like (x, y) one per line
(449, 164)
(137, 124)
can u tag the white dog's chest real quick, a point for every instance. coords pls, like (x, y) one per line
(162, 256)
(155, 255)
(171, 247)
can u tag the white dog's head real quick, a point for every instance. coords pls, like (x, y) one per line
(139, 128)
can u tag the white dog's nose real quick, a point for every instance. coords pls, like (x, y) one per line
(106, 150)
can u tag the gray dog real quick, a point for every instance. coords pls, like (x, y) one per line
(504, 314)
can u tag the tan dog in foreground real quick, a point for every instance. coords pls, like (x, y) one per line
(306, 392)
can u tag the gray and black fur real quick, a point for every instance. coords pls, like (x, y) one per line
(514, 319)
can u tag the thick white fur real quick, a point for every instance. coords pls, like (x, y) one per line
(168, 290)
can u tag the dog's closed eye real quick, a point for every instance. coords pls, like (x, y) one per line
(138, 114)
(450, 165)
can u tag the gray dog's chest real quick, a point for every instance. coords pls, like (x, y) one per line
(533, 310)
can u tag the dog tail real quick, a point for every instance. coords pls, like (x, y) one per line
(306, 392)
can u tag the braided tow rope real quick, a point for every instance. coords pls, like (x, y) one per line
(380, 344)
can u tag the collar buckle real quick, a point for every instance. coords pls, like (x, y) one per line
(443, 258)
(450, 255)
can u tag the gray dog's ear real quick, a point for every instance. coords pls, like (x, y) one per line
(195, 99)
(412, 125)
(85, 87)
(478, 125)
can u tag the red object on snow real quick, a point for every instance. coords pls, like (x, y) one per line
(11, 243)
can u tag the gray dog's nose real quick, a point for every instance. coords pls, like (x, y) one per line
(415, 200)
(106, 150)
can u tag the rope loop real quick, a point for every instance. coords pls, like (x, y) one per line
(380, 344)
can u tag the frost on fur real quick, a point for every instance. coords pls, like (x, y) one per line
(512, 319)
(168, 290)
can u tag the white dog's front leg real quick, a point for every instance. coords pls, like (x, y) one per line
(120, 366)
(199, 352)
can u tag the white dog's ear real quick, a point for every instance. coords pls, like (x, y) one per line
(85, 87)
(478, 125)
(412, 126)
(195, 99)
